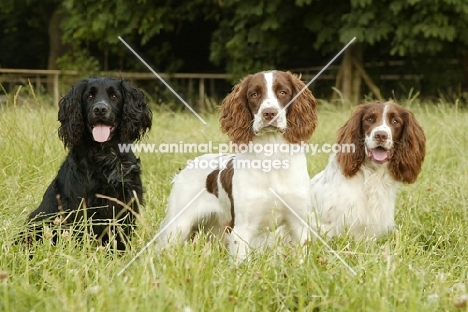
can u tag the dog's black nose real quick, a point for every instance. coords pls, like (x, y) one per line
(100, 109)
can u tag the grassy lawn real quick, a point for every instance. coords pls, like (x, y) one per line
(421, 266)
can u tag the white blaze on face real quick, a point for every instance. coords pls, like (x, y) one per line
(383, 127)
(380, 151)
(269, 101)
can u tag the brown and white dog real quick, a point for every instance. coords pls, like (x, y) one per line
(233, 193)
(356, 192)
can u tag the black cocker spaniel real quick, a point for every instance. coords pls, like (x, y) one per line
(97, 183)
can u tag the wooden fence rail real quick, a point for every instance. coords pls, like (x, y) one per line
(52, 77)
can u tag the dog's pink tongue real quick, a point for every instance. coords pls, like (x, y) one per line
(379, 154)
(101, 133)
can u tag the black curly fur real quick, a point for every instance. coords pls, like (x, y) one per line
(93, 168)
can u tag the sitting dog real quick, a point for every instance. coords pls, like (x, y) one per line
(97, 181)
(356, 192)
(250, 191)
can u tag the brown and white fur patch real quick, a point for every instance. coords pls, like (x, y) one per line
(356, 192)
(235, 198)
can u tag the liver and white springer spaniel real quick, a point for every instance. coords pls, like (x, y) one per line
(234, 190)
(356, 192)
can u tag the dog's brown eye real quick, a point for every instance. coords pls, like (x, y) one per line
(254, 95)
(113, 96)
(370, 119)
(90, 97)
(282, 93)
(395, 121)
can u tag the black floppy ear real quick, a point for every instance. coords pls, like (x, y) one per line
(136, 115)
(70, 115)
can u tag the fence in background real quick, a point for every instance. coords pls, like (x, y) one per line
(205, 82)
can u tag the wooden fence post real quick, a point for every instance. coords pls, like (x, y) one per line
(201, 94)
(190, 91)
(56, 88)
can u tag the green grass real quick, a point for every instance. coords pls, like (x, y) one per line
(421, 266)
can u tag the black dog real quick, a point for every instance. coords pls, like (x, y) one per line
(96, 116)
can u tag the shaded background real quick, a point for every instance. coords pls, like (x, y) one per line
(403, 47)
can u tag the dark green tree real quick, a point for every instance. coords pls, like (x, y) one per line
(25, 33)
(239, 36)
(424, 29)
(152, 26)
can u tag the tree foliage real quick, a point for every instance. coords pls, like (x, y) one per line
(238, 36)
(256, 36)
(22, 31)
(146, 24)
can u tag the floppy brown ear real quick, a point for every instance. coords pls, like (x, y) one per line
(301, 114)
(236, 118)
(410, 150)
(351, 133)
